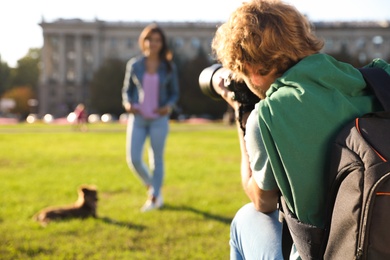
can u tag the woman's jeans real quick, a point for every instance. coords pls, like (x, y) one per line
(138, 129)
(255, 235)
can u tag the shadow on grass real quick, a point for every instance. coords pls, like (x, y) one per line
(128, 225)
(208, 215)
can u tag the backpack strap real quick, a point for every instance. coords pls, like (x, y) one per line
(308, 239)
(287, 240)
(379, 81)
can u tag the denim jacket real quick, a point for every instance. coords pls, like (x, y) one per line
(132, 91)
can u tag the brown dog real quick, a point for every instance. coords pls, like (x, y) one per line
(84, 207)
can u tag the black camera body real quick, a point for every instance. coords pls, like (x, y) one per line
(210, 78)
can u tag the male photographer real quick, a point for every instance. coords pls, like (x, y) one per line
(306, 97)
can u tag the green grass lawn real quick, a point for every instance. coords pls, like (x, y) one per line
(43, 165)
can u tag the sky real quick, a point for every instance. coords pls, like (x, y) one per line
(20, 30)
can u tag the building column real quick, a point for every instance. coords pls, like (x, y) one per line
(62, 59)
(60, 91)
(79, 88)
(79, 60)
(97, 51)
(44, 76)
(45, 59)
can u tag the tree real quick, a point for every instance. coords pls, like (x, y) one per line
(106, 88)
(5, 73)
(26, 72)
(20, 95)
(192, 100)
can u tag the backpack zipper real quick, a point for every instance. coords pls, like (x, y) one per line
(361, 248)
(359, 253)
(367, 214)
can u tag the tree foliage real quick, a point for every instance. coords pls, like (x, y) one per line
(21, 96)
(5, 75)
(27, 71)
(106, 88)
(192, 100)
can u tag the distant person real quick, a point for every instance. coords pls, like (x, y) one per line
(150, 90)
(80, 117)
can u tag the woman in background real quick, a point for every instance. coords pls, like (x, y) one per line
(149, 93)
(81, 117)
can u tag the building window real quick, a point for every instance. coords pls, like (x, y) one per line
(69, 42)
(71, 55)
(54, 77)
(113, 42)
(360, 43)
(129, 43)
(53, 42)
(87, 42)
(377, 40)
(178, 42)
(88, 58)
(55, 57)
(52, 92)
(195, 43)
(329, 44)
(70, 75)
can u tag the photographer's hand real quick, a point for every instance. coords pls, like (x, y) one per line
(228, 95)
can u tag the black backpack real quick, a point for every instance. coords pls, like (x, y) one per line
(358, 209)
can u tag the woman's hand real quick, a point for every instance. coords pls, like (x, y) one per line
(165, 110)
(131, 109)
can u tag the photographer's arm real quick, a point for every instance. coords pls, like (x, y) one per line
(264, 200)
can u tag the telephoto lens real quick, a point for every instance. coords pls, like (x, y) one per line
(210, 78)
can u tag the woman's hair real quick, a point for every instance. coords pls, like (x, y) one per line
(268, 34)
(165, 53)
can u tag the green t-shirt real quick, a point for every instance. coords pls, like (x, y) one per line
(303, 111)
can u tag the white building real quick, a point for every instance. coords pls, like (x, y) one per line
(74, 49)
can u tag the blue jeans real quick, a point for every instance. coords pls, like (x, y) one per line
(138, 129)
(255, 235)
